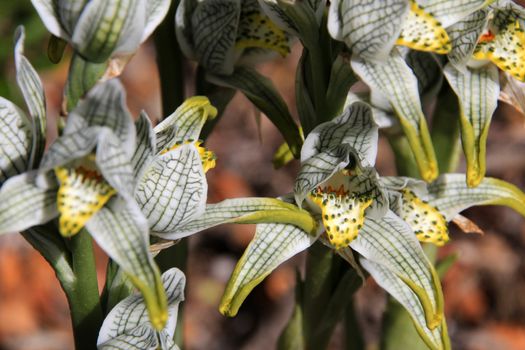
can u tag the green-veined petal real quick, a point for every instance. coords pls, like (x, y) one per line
(33, 92)
(27, 200)
(477, 91)
(130, 314)
(173, 190)
(371, 28)
(464, 36)
(146, 145)
(397, 83)
(449, 12)
(121, 230)
(272, 245)
(16, 137)
(390, 243)
(450, 194)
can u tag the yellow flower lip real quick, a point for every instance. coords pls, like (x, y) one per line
(82, 193)
(343, 214)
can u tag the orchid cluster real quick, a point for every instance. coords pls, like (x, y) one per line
(366, 67)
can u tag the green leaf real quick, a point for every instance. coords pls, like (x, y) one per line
(477, 91)
(396, 82)
(127, 324)
(341, 79)
(82, 76)
(262, 93)
(16, 135)
(173, 190)
(121, 230)
(246, 211)
(33, 92)
(107, 27)
(27, 200)
(185, 124)
(272, 245)
(354, 127)
(369, 29)
(450, 194)
(394, 257)
(449, 12)
(304, 103)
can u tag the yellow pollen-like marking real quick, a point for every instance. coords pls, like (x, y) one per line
(506, 49)
(343, 215)
(426, 221)
(81, 194)
(257, 30)
(208, 157)
(421, 31)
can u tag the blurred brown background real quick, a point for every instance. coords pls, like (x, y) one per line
(484, 290)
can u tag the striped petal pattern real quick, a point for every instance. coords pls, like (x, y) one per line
(272, 245)
(477, 91)
(397, 83)
(127, 324)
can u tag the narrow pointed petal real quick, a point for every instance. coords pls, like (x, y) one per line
(355, 127)
(369, 28)
(130, 313)
(237, 210)
(121, 230)
(272, 245)
(434, 339)
(185, 123)
(173, 190)
(146, 145)
(26, 202)
(421, 31)
(397, 83)
(263, 94)
(33, 91)
(390, 243)
(477, 91)
(450, 194)
(16, 136)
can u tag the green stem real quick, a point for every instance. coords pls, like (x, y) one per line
(170, 63)
(353, 337)
(83, 297)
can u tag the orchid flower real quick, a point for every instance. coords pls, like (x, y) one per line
(86, 179)
(418, 25)
(170, 164)
(486, 40)
(100, 29)
(128, 327)
(220, 34)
